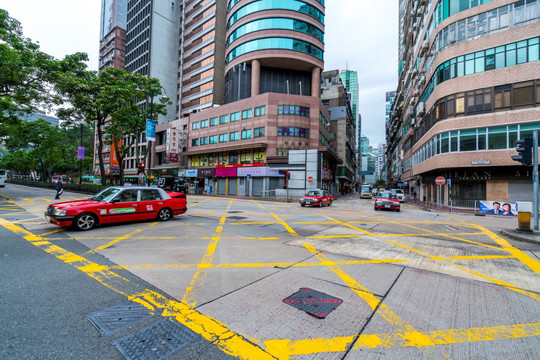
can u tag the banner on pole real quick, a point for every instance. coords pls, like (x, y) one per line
(80, 154)
(150, 130)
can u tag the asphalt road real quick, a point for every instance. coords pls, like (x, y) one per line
(409, 285)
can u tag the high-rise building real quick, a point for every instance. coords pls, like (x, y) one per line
(112, 34)
(468, 90)
(273, 58)
(350, 81)
(338, 100)
(152, 45)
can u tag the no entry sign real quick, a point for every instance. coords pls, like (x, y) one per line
(440, 180)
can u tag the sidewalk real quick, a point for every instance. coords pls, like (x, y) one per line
(530, 237)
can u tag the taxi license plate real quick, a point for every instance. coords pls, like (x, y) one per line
(386, 206)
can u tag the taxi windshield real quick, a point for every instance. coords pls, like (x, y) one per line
(105, 195)
(314, 193)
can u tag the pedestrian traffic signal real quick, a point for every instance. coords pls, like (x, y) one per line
(524, 149)
(140, 168)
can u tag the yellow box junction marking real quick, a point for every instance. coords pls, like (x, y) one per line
(212, 330)
(192, 292)
(115, 241)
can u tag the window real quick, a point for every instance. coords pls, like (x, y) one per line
(204, 141)
(194, 142)
(524, 93)
(482, 139)
(214, 121)
(258, 132)
(234, 136)
(245, 157)
(233, 157)
(246, 134)
(512, 136)
(223, 119)
(502, 96)
(195, 161)
(213, 139)
(235, 116)
(222, 159)
(497, 138)
(223, 138)
(260, 111)
(258, 156)
(467, 140)
(204, 123)
(247, 114)
(195, 125)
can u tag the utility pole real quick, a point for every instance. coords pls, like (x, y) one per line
(535, 178)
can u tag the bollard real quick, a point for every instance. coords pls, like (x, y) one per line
(524, 209)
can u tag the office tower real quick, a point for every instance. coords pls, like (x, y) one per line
(273, 60)
(468, 90)
(112, 34)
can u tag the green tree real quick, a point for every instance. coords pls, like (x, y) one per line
(27, 74)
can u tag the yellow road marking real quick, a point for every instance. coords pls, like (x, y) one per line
(52, 232)
(47, 200)
(197, 203)
(115, 241)
(192, 292)
(285, 225)
(481, 257)
(349, 225)
(29, 200)
(212, 330)
(470, 241)
(534, 265)
(257, 265)
(372, 341)
(254, 223)
(416, 338)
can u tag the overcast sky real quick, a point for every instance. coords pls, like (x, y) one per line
(361, 35)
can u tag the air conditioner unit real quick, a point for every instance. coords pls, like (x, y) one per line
(422, 80)
(420, 109)
(424, 48)
(413, 121)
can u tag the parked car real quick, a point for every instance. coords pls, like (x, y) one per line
(173, 183)
(117, 204)
(365, 192)
(387, 201)
(317, 197)
(400, 194)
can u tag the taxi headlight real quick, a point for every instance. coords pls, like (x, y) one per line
(59, 212)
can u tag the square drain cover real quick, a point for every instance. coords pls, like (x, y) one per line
(157, 341)
(313, 302)
(118, 317)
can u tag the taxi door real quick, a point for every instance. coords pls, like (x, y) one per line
(151, 202)
(123, 207)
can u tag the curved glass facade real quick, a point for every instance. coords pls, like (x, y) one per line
(276, 23)
(262, 5)
(495, 58)
(234, 2)
(275, 43)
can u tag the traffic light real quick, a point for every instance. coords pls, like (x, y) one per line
(524, 149)
(140, 168)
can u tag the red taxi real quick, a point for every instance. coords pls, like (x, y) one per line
(317, 197)
(387, 201)
(117, 204)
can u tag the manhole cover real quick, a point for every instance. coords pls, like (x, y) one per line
(157, 341)
(117, 317)
(313, 302)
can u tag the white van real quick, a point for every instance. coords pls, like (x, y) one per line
(3, 177)
(400, 194)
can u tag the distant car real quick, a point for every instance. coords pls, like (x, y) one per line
(387, 201)
(117, 204)
(400, 194)
(317, 197)
(365, 192)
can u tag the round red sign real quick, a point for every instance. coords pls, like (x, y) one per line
(440, 180)
(310, 179)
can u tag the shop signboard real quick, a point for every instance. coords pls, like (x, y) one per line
(258, 171)
(191, 173)
(225, 172)
(207, 173)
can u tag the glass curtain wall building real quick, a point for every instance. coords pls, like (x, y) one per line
(469, 88)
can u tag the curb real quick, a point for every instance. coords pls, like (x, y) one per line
(511, 234)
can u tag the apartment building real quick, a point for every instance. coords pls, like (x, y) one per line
(469, 87)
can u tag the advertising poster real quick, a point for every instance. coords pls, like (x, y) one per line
(150, 130)
(497, 207)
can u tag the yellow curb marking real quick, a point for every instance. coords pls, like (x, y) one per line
(192, 292)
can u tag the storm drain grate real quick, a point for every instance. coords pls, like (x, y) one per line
(156, 341)
(313, 302)
(118, 317)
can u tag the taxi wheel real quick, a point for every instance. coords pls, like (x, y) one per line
(320, 203)
(165, 214)
(85, 222)
(330, 203)
(302, 205)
